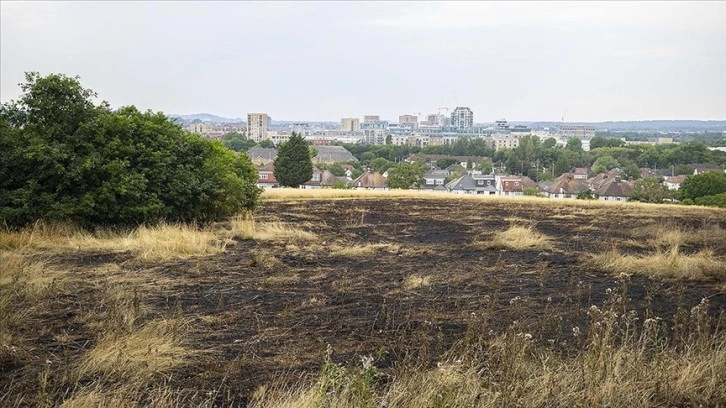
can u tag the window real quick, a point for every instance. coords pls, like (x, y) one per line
(263, 176)
(316, 176)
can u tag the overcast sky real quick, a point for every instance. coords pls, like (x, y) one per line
(327, 60)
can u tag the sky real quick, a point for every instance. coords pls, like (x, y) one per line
(523, 61)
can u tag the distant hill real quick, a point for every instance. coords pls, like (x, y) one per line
(205, 117)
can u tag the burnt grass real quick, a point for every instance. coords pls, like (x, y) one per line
(249, 324)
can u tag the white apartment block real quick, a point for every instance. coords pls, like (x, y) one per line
(257, 126)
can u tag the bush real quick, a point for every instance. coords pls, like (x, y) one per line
(68, 159)
(702, 185)
(718, 200)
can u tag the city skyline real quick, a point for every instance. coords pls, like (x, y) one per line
(327, 61)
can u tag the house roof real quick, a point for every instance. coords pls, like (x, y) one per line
(369, 180)
(465, 182)
(330, 154)
(262, 152)
(675, 179)
(615, 188)
(511, 184)
(581, 171)
(434, 175)
(566, 184)
(528, 182)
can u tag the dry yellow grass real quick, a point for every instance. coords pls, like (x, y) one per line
(517, 238)
(666, 263)
(416, 281)
(140, 354)
(33, 277)
(352, 250)
(161, 242)
(514, 375)
(248, 228)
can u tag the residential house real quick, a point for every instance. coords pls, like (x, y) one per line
(314, 182)
(700, 168)
(510, 186)
(581, 173)
(615, 189)
(468, 184)
(674, 183)
(485, 184)
(434, 180)
(370, 181)
(322, 179)
(565, 186)
(266, 176)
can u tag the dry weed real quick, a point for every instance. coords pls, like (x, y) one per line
(416, 281)
(248, 228)
(669, 263)
(353, 251)
(517, 238)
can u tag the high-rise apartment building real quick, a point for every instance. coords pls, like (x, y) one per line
(462, 118)
(257, 126)
(371, 118)
(350, 124)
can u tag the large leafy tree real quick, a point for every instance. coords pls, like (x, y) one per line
(405, 175)
(65, 158)
(293, 165)
(650, 190)
(706, 184)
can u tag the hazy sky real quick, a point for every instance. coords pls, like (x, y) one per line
(327, 60)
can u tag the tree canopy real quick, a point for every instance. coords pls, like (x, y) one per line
(405, 175)
(293, 165)
(66, 158)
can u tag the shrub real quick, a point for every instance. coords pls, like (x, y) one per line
(68, 159)
(717, 200)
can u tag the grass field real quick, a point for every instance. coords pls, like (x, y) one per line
(337, 298)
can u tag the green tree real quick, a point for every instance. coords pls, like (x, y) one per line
(381, 165)
(706, 184)
(65, 158)
(445, 162)
(389, 139)
(650, 190)
(574, 144)
(717, 200)
(293, 165)
(484, 167)
(267, 143)
(337, 169)
(237, 142)
(406, 175)
(604, 164)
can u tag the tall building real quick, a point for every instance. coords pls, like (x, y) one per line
(371, 118)
(257, 126)
(408, 120)
(350, 124)
(462, 118)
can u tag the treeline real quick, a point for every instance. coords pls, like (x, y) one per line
(65, 158)
(545, 160)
